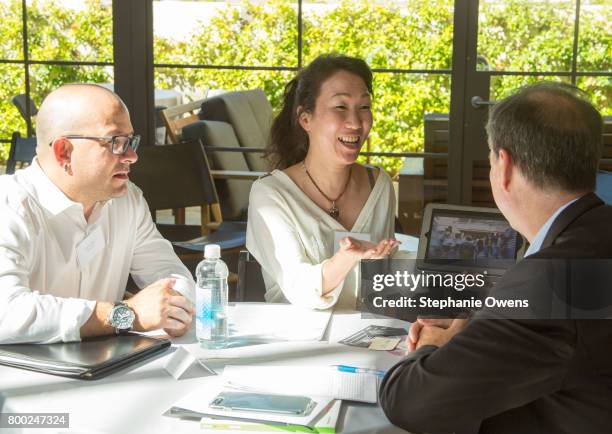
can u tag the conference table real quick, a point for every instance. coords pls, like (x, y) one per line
(133, 400)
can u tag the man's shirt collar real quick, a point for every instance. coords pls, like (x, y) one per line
(50, 196)
(536, 245)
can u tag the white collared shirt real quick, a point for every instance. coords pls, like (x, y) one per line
(536, 245)
(45, 294)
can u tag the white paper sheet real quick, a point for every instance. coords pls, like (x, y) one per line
(305, 380)
(276, 321)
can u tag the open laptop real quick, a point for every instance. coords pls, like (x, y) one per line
(464, 239)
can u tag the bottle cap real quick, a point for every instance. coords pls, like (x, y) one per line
(212, 251)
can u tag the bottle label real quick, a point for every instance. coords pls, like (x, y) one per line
(204, 313)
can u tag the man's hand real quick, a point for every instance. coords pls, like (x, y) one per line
(434, 331)
(359, 249)
(159, 306)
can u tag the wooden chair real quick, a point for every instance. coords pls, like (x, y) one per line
(251, 286)
(178, 176)
(175, 118)
(22, 152)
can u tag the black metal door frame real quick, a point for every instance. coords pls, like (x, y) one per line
(468, 141)
(133, 61)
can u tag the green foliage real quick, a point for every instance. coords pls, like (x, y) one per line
(516, 35)
(54, 33)
(252, 35)
(265, 34)
(529, 36)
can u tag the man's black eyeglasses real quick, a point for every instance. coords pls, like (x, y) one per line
(118, 145)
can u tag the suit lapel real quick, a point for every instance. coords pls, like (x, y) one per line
(570, 214)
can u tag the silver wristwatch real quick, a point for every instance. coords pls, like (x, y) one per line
(121, 317)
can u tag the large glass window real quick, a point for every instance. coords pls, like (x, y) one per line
(521, 41)
(236, 45)
(47, 43)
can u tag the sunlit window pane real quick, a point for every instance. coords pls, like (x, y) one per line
(248, 33)
(599, 90)
(391, 34)
(595, 37)
(46, 78)
(73, 30)
(526, 35)
(13, 83)
(504, 85)
(399, 106)
(11, 30)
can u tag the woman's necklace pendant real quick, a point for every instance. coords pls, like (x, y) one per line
(334, 211)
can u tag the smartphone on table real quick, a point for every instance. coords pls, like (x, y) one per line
(263, 402)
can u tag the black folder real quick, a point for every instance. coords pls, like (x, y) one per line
(89, 359)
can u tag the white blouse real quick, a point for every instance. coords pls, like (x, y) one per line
(291, 238)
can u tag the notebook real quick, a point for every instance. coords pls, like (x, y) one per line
(89, 359)
(467, 239)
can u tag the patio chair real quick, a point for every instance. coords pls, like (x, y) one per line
(22, 152)
(251, 286)
(250, 114)
(175, 118)
(21, 101)
(178, 176)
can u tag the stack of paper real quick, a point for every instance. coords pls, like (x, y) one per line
(325, 385)
(197, 404)
(326, 424)
(304, 380)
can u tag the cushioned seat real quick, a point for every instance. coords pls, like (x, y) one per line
(229, 236)
(233, 193)
(177, 176)
(250, 114)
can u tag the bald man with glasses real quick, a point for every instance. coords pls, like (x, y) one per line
(73, 228)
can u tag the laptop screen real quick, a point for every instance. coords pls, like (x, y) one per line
(472, 239)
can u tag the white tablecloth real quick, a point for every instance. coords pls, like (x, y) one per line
(133, 400)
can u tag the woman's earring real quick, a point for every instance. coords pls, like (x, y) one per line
(67, 168)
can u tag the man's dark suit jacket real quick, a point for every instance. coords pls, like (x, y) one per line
(519, 376)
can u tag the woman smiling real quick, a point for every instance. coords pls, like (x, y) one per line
(319, 213)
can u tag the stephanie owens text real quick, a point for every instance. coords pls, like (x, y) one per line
(446, 303)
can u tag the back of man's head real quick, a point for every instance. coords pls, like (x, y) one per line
(552, 133)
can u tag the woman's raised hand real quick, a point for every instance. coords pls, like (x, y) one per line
(359, 249)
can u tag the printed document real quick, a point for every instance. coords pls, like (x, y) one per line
(304, 380)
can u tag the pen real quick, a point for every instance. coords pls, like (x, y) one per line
(355, 370)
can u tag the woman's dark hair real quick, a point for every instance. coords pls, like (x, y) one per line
(288, 141)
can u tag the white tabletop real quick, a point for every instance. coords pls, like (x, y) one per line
(133, 400)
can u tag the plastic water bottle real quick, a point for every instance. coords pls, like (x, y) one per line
(211, 299)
